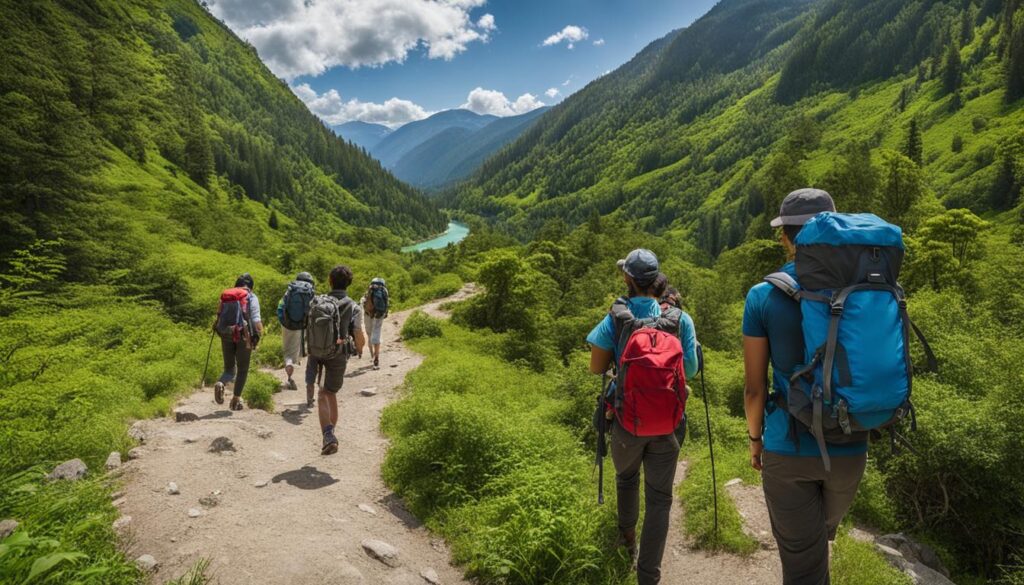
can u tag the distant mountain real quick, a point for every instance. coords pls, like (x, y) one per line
(397, 144)
(362, 134)
(455, 153)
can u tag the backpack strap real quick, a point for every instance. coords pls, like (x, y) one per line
(791, 287)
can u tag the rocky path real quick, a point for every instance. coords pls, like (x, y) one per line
(270, 509)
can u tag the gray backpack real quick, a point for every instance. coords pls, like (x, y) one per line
(327, 322)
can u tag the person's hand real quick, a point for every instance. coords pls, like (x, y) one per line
(756, 448)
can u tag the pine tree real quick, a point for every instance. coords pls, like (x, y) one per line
(1015, 61)
(952, 69)
(273, 220)
(914, 146)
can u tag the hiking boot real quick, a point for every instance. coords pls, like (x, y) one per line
(376, 363)
(330, 444)
(236, 403)
(218, 392)
(310, 400)
(292, 385)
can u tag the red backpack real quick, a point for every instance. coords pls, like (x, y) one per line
(233, 314)
(650, 389)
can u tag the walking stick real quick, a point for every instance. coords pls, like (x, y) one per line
(202, 383)
(707, 417)
(602, 425)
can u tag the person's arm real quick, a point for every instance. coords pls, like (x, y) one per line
(360, 338)
(688, 337)
(254, 311)
(600, 359)
(755, 368)
(357, 330)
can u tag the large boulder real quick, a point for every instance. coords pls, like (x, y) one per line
(73, 470)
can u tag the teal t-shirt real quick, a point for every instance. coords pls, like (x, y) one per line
(770, 313)
(603, 335)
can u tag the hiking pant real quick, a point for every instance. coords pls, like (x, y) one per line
(659, 457)
(236, 353)
(291, 346)
(334, 372)
(806, 505)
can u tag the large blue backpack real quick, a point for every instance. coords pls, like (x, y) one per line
(296, 304)
(857, 375)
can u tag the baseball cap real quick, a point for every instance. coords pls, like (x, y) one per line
(801, 205)
(305, 276)
(641, 265)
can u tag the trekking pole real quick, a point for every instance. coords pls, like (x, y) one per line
(202, 382)
(707, 417)
(602, 423)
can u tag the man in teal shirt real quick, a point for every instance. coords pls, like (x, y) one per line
(805, 502)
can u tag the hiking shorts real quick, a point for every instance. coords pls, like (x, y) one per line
(806, 505)
(373, 328)
(291, 347)
(333, 375)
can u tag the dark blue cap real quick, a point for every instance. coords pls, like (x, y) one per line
(641, 265)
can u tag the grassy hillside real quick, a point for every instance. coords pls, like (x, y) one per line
(147, 158)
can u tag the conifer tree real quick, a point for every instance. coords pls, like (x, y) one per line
(273, 220)
(914, 146)
(1015, 61)
(952, 69)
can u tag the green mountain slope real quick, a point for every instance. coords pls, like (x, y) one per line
(684, 135)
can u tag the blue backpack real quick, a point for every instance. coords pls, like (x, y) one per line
(857, 373)
(296, 305)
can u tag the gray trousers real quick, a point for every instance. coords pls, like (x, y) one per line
(659, 457)
(806, 505)
(235, 353)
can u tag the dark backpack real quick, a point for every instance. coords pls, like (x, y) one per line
(233, 315)
(329, 321)
(650, 385)
(377, 298)
(857, 374)
(296, 304)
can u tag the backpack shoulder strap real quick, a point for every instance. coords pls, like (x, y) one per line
(623, 321)
(670, 320)
(785, 283)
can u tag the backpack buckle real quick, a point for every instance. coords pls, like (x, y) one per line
(836, 308)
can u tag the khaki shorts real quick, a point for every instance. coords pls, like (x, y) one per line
(291, 344)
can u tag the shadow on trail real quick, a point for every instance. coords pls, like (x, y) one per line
(396, 506)
(216, 415)
(295, 416)
(306, 478)
(358, 371)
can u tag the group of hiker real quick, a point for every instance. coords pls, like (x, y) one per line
(326, 329)
(833, 325)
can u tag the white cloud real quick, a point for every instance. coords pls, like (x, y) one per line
(552, 92)
(567, 82)
(331, 108)
(489, 101)
(598, 42)
(571, 34)
(306, 37)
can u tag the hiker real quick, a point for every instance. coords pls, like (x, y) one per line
(375, 310)
(670, 298)
(642, 435)
(240, 327)
(334, 333)
(291, 312)
(805, 502)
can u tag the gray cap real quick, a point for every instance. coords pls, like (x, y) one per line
(800, 206)
(641, 265)
(305, 276)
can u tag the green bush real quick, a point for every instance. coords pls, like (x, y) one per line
(259, 390)
(855, 562)
(419, 325)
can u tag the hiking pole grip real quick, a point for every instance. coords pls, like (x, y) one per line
(209, 350)
(707, 419)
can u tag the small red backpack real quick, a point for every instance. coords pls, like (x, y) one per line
(650, 389)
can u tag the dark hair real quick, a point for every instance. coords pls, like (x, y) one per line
(792, 231)
(653, 289)
(671, 297)
(246, 281)
(341, 277)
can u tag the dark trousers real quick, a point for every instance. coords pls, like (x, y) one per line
(659, 457)
(806, 505)
(236, 357)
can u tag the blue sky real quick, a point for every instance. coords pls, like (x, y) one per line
(394, 61)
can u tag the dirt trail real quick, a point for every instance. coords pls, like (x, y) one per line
(308, 520)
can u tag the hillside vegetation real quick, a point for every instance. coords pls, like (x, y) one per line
(146, 159)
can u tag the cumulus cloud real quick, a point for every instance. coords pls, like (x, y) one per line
(489, 101)
(552, 92)
(598, 42)
(303, 37)
(331, 108)
(571, 35)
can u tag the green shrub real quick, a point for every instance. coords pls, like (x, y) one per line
(855, 562)
(259, 390)
(419, 325)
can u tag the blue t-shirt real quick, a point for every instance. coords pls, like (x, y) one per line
(603, 335)
(770, 313)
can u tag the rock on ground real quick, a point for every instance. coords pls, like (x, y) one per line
(147, 563)
(122, 524)
(172, 489)
(7, 527)
(381, 551)
(135, 453)
(71, 470)
(917, 560)
(221, 445)
(430, 576)
(194, 513)
(368, 391)
(210, 500)
(137, 432)
(185, 416)
(113, 461)
(368, 509)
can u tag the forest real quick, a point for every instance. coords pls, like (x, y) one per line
(148, 157)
